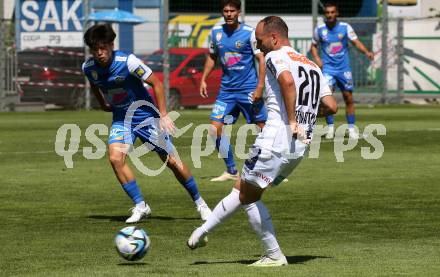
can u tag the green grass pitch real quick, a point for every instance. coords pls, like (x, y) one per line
(356, 218)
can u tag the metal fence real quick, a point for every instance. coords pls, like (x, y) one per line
(404, 61)
(8, 67)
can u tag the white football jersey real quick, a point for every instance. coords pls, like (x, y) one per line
(310, 85)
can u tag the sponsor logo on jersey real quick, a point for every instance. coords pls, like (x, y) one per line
(334, 48)
(89, 63)
(238, 44)
(120, 59)
(140, 71)
(263, 177)
(300, 58)
(340, 36)
(305, 117)
(94, 75)
(231, 58)
(218, 36)
(324, 34)
(119, 79)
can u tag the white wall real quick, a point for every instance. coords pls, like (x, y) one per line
(147, 35)
(427, 4)
(8, 8)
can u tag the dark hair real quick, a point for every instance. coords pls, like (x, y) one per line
(234, 3)
(275, 23)
(330, 4)
(99, 34)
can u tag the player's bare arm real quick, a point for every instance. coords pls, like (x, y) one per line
(105, 106)
(166, 124)
(361, 47)
(315, 54)
(258, 93)
(209, 65)
(288, 91)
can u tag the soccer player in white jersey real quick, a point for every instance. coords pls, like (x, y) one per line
(117, 80)
(295, 89)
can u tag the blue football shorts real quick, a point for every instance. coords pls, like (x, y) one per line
(342, 79)
(149, 134)
(233, 103)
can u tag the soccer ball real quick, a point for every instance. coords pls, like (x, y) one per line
(132, 243)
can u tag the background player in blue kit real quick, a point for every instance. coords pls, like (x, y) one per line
(241, 87)
(117, 80)
(333, 36)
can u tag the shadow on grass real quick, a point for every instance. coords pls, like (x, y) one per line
(290, 260)
(132, 264)
(122, 218)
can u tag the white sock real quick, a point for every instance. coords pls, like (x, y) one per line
(332, 126)
(200, 202)
(141, 205)
(261, 222)
(224, 209)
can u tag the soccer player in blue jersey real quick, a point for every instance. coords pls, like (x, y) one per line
(117, 80)
(333, 36)
(241, 87)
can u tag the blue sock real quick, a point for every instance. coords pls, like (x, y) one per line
(330, 120)
(350, 120)
(133, 191)
(191, 187)
(223, 146)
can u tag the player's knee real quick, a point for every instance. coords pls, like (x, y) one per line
(171, 162)
(215, 130)
(116, 160)
(247, 199)
(348, 99)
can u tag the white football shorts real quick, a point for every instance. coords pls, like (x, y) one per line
(266, 167)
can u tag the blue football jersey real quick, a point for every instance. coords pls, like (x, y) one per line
(334, 46)
(122, 83)
(236, 51)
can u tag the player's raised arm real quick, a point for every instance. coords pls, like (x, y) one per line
(105, 106)
(207, 68)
